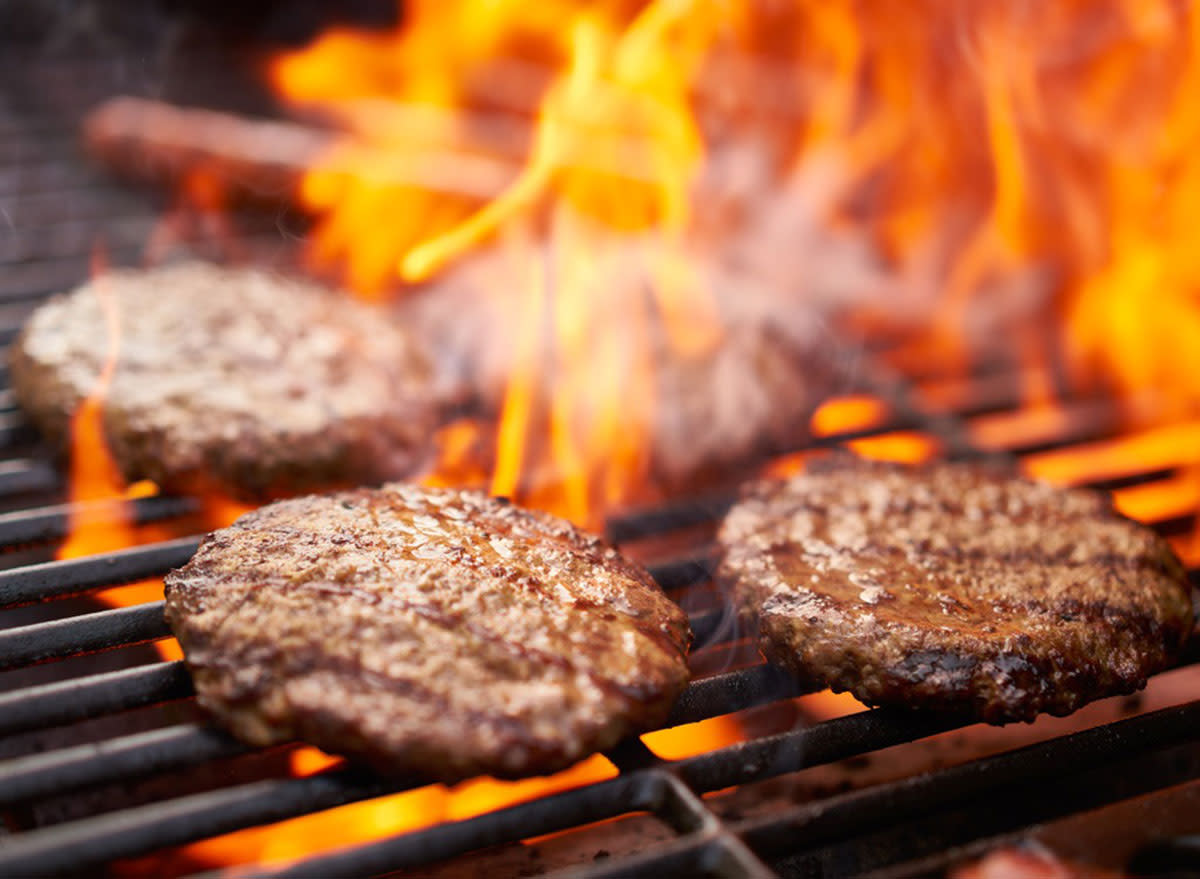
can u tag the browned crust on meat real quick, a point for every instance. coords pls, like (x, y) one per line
(233, 379)
(954, 587)
(431, 631)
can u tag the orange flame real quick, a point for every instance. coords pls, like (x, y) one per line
(99, 518)
(358, 823)
(611, 158)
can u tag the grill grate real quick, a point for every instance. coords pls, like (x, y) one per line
(669, 790)
(63, 204)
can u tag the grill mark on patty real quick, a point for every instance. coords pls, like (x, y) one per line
(590, 550)
(454, 621)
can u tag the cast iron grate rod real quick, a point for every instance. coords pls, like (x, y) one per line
(78, 845)
(839, 817)
(705, 845)
(83, 698)
(125, 758)
(183, 745)
(85, 633)
(809, 826)
(43, 524)
(26, 476)
(57, 579)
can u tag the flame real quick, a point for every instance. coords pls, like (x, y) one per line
(691, 739)
(826, 705)
(592, 219)
(100, 516)
(618, 107)
(357, 823)
(844, 414)
(460, 455)
(1025, 172)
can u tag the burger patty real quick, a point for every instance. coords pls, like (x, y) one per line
(233, 378)
(431, 631)
(953, 587)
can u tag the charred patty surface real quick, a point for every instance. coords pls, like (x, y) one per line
(234, 377)
(953, 587)
(434, 631)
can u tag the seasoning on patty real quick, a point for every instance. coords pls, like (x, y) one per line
(430, 631)
(953, 587)
(231, 378)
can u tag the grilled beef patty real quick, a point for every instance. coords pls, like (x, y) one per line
(953, 587)
(431, 631)
(236, 378)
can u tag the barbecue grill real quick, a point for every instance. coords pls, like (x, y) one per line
(103, 757)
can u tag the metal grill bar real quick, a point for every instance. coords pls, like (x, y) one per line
(51, 523)
(682, 573)
(857, 813)
(18, 476)
(640, 792)
(187, 745)
(121, 759)
(708, 627)
(68, 701)
(732, 691)
(936, 840)
(87, 633)
(824, 743)
(114, 628)
(79, 845)
(34, 583)
(777, 755)
(707, 848)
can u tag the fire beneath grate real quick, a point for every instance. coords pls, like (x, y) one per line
(105, 762)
